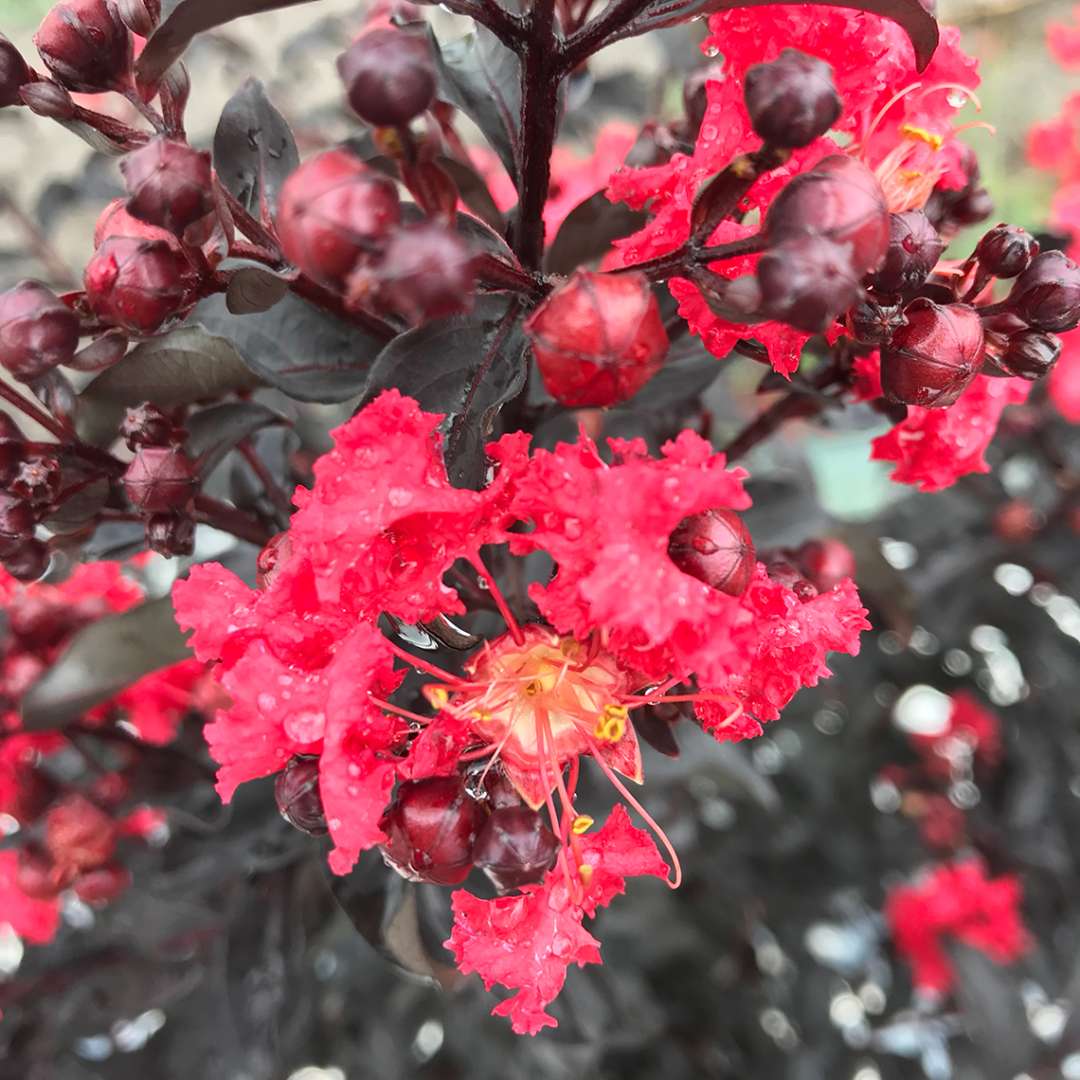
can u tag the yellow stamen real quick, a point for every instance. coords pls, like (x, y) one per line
(582, 824)
(932, 140)
(482, 717)
(611, 724)
(585, 871)
(437, 696)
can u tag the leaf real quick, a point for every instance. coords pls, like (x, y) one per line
(253, 289)
(179, 368)
(254, 149)
(588, 232)
(213, 432)
(482, 77)
(689, 371)
(465, 366)
(101, 660)
(302, 350)
(474, 191)
(182, 19)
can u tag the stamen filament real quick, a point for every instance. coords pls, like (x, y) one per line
(500, 601)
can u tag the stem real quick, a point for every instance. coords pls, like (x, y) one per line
(508, 27)
(680, 263)
(39, 416)
(220, 515)
(151, 116)
(39, 244)
(595, 34)
(273, 490)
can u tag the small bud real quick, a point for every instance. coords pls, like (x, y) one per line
(38, 330)
(102, 884)
(515, 848)
(839, 199)
(297, 793)
(335, 212)
(1006, 251)
(389, 75)
(914, 249)
(17, 521)
(426, 273)
(1030, 354)
(48, 99)
(115, 220)
(932, 360)
(807, 282)
(137, 284)
(972, 207)
(160, 479)
(79, 835)
(598, 338)
(171, 535)
(146, 425)
(500, 792)
(431, 829)
(36, 481)
(791, 100)
(1046, 295)
(791, 577)
(139, 16)
(29, 562)
(715, 547)
(872, 323)
(826, 563)
(170, 184)
(14, 73)
(86, 46)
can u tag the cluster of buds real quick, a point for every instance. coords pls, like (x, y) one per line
(30, 486)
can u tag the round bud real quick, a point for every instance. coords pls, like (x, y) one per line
(426, 273)
(170, 184)
(146, 425)
(1046, 295)
(160, 479)
(86, 46)
(102, 884)
(839, 199)
(335, 212)
(48, 99)
(17, 521)
(1006, 250)
(971, 207)
(36, 480)
(515, 848)
(137, 284)
(784, 573)
(872, 323)
(1030, 354)
(389, 75)
(499, 790)
(171, 535)
(37, 330)
(932, 360)
(297, 793)
(826, 563)
(807, 282)
(431, 829)
(791, 100)
(14, 73)
(115, 220)
(914, 249)
(79, 835)
(715, 547)
(598, 338)
(29, 562)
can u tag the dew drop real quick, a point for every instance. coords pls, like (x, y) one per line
(398, 496)
(305, 727)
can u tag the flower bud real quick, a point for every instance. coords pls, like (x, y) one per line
(872, 323)
(972, 207)
(335, 212)
(48, 99)
(170, 184)
(79, 835)
(431, 829)
(839, 199)
(791, 100)
(297, 793)
(146, 425)
(1030, 354)
(139, 16)
(36, 480)
(102, 884)
(37, 875)
(1006, 250)
(914, 249)
(807, 282)
(515, 848)
(115, 220)
(932, 360)
(86, 46)
(791, 577)
(389, 75)
(171, 535)
(17, 521)
(14, 73)
(160, 479)
(598, 338)
(28, 562)
(37, 330)
(137, 284)
(826, 563)
(715, 547)
(1046, 295)
(426, 273)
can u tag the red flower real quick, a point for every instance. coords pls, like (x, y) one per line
(956, 901)
(32, 919)
(1063, 40)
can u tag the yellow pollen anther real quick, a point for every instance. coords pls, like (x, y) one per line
(437, 696)
(482, 717)
(534, 688)
(932, 140)
(582, 824)
(611, 724)
(585, 872)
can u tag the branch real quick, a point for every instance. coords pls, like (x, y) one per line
(598, 32)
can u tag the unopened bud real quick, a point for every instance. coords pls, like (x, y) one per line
(389, 75)
(791, 100)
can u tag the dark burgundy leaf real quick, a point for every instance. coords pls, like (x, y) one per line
(588, 232)
(213, 432)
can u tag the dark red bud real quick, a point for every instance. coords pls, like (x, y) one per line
(114, 220)
(784, 573)
(499, 790)
(872, 323)
(972, 207)
(515, 848)
(914, 249)
(1006, 250)
(79, 835)
(334, 213)
(86, 46)
(137, 284)
(598, 338)
(36, 480)
(140, 16)
(431, 829)
(102, 884)
(792, 99)
(807, 282)
(171, 535)
(48, 99)
(1046, 295)
(160, 479)
(169, 183)
(826, 563)
(28, 562)
(38, 330)
(14, 73)
(1030, 354)
(37, 875)
(297, 793)
(715, 547)
(146, 425)
(932, 360)
(389, 75)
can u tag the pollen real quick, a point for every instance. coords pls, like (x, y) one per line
(437, 696)
(912, 131)
(611, 724)
(582, 824)
(585, 873)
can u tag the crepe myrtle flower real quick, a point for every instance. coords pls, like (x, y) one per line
(311, 674)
